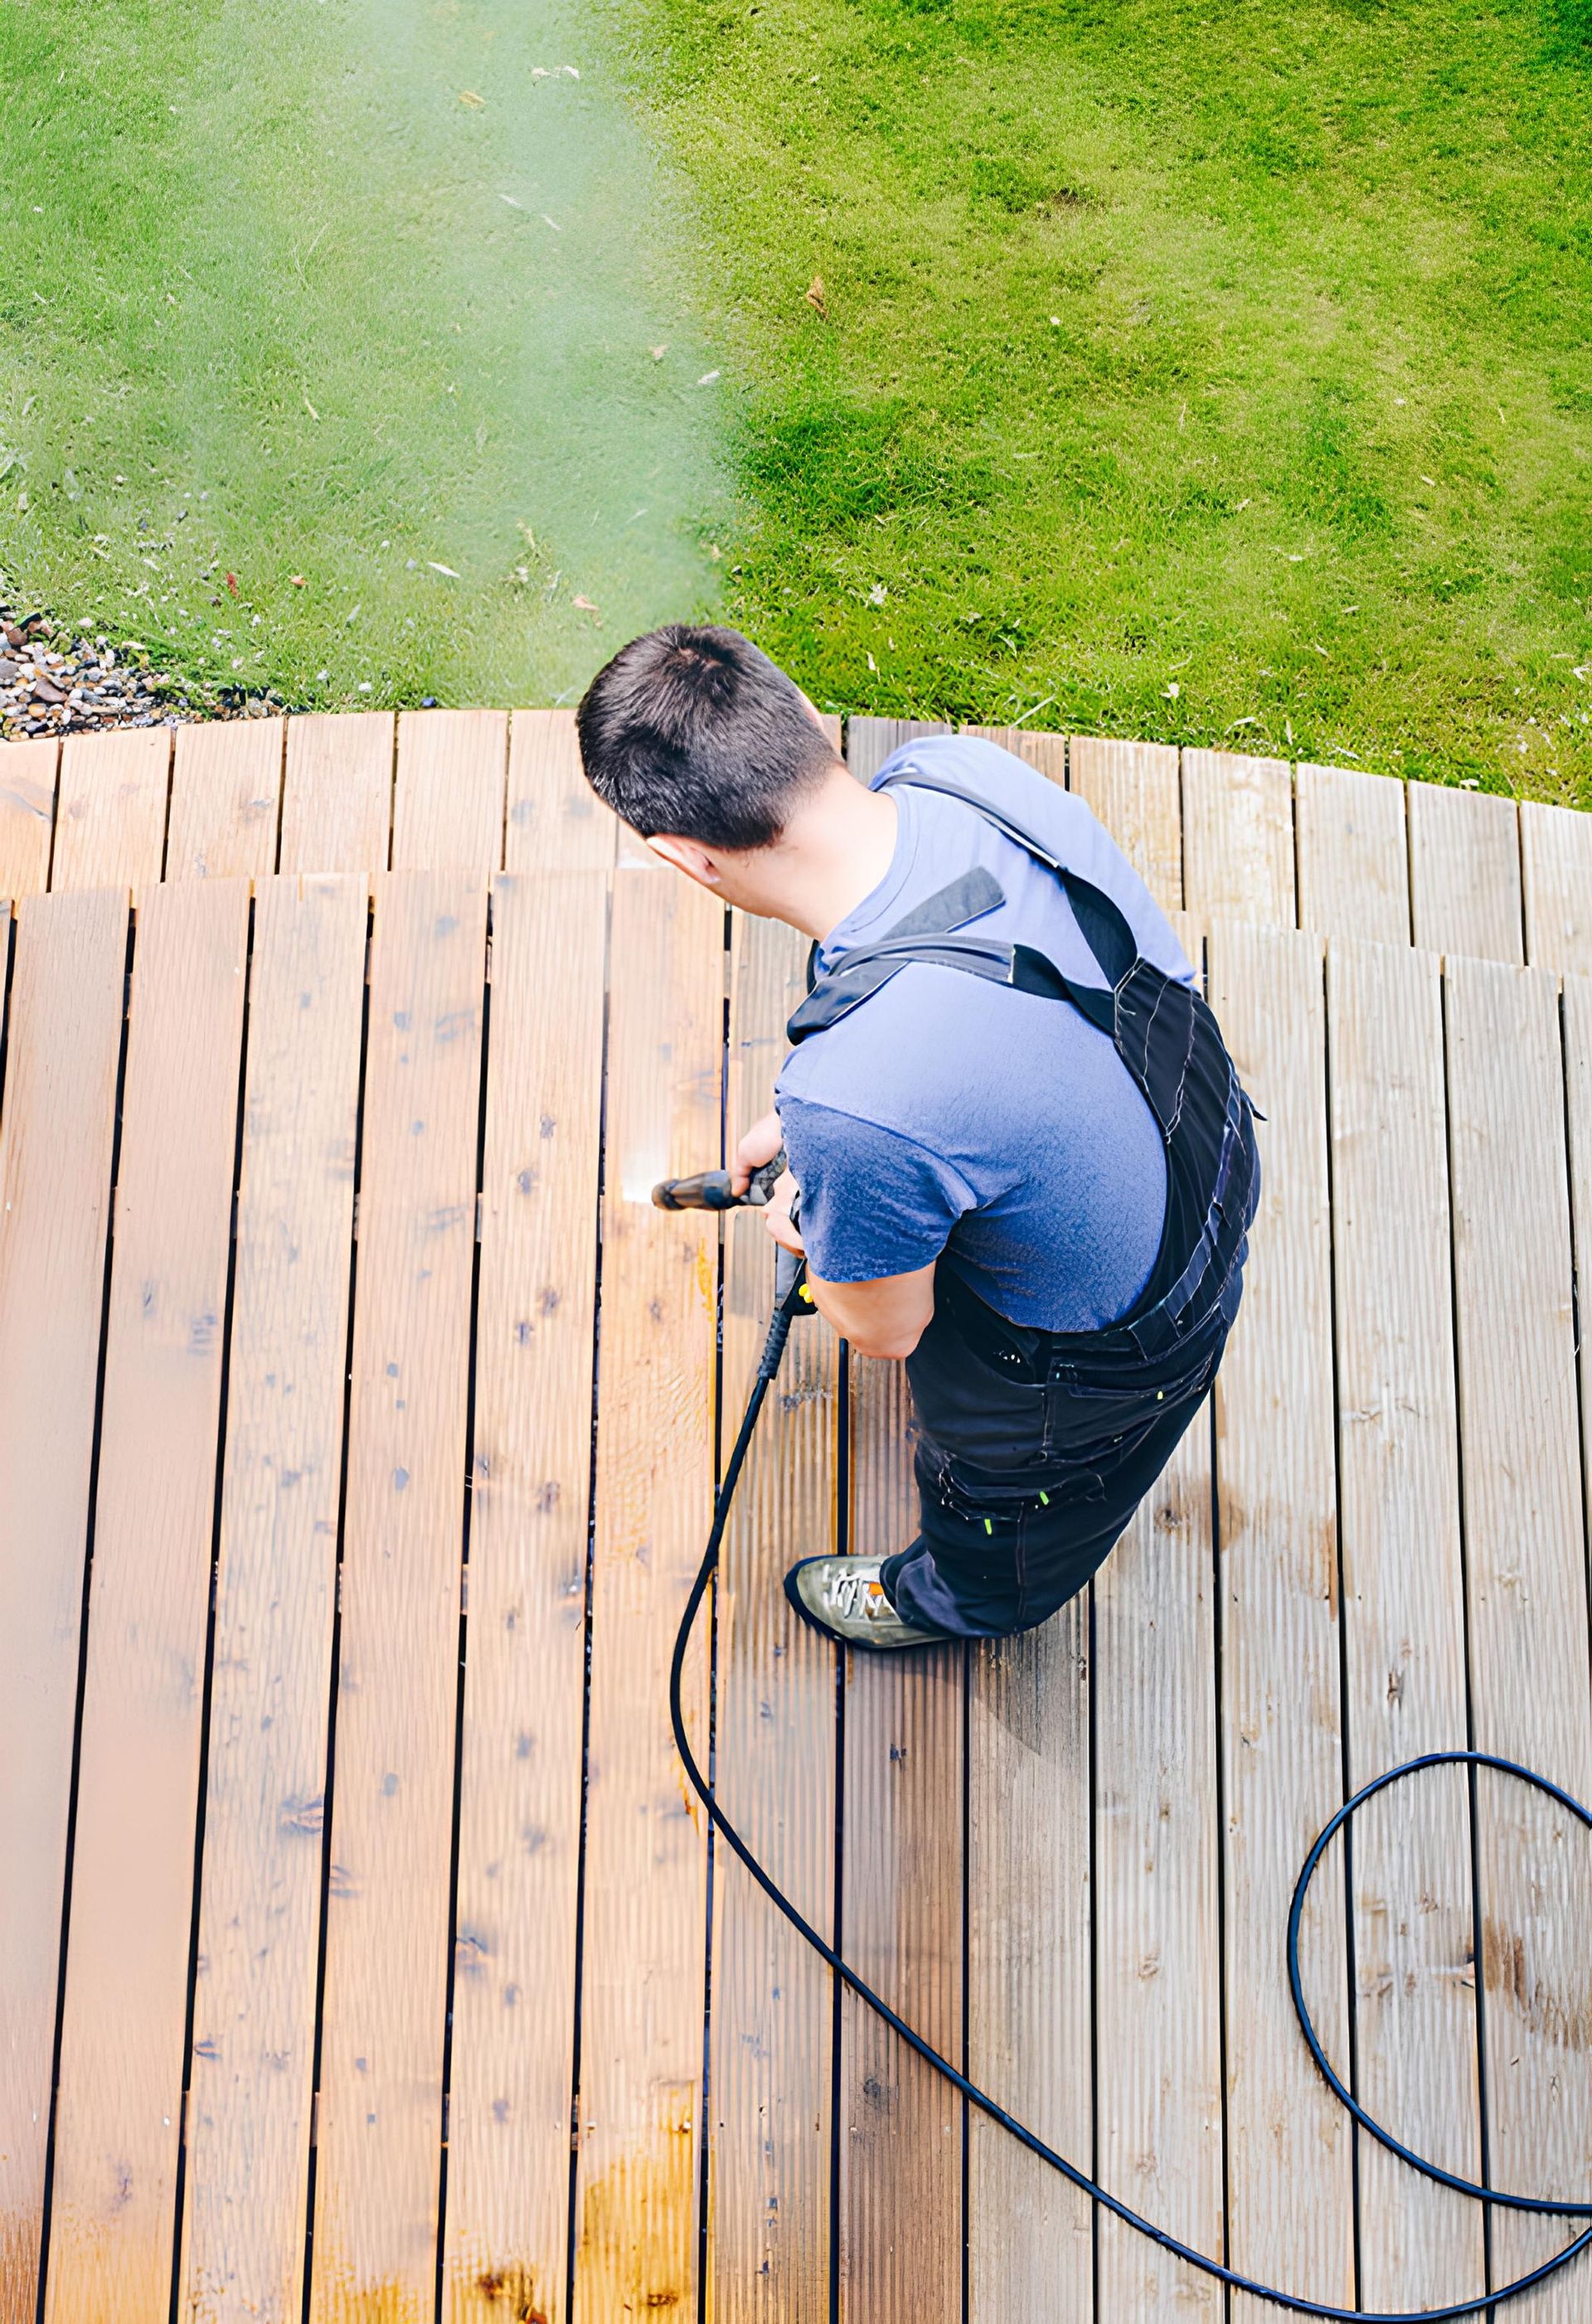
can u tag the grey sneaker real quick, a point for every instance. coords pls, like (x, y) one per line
(844, 1598)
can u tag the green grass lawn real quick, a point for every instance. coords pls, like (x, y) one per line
(1224, 376)
(1221, 374)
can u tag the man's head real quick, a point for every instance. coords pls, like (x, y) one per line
(696, 733)
(720, 762)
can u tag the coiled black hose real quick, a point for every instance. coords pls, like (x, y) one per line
(786, 1308)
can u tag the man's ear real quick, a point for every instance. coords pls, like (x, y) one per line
(687, 855)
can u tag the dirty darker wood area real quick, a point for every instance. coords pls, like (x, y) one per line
(363, 1957)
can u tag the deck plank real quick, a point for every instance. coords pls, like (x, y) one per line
(1158, 2068)
(337, 792)
(1134, 789)
(514, 1990)
(773, 2008)
(645, 1947)
(869, 741)
(1239, 838)
(226, 783)
(110, 821)
(254, 2002)
(27, 816)
(1526, 1570)
(1030, 1987)
(55, 1141)
(1404, 1596)
(1047, 752)
(1289, 2147)
(1353, 855)
(448, 799)
(1157, 1942)
(555, 818)
(1464, 874)
(128, 1961)
(385, 1993)
(1030, 2039)
(901, 2160)
(1556, 871)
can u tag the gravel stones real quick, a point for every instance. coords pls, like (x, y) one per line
(54, 683)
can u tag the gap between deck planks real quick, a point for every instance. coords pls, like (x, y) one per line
(905, 1764)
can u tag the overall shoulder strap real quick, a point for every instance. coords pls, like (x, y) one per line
(1102, 923)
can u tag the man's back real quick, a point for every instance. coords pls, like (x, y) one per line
(995, 1120)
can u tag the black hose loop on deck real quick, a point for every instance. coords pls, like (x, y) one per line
(1543, 2206)
(995, 2113)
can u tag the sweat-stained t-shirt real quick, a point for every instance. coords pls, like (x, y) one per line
(946, 1113)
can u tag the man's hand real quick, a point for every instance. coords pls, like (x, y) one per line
(777, 1216)
(762, 1141)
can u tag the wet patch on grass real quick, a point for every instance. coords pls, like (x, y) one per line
(348, 346)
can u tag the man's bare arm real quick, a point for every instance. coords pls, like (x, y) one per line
(884, 1318)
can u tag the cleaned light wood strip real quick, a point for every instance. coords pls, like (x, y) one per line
(27, 816)
(120, 2097)
(901, 2163)
(1239, 838)
(1464, 872)
(226, 784)
(337, 792)
(1556, 866)
(556, 821)
(56, 1136)
(1403, 1598)
(447, 804)
(1289, 2148)
(1157, 1946)
(110, 822)
(1134, 789)
(514, 1989)
(1525, 1548)
(1030, 2039)
(1158, 2068)
(1353, 855)
(643, 1964)
(254, 2003)
(869, 741)
(391, 1825)
(773, 2006)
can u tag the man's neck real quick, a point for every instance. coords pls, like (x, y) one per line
(835, 850)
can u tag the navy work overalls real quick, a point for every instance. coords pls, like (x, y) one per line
(1034, 1447)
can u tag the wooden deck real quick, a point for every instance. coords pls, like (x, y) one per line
(360, 1957)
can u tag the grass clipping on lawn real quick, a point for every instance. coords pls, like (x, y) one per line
(1221, 375)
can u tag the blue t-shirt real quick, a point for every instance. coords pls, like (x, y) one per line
(950, 1114)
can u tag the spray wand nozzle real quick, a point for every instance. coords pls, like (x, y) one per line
(711, 1190)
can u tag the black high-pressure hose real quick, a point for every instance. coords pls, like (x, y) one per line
(790, 1296)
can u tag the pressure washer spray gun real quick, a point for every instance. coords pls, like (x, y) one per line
(711, 1190)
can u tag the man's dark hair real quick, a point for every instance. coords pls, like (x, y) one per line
(695, 732)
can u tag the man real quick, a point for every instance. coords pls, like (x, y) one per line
(1025, 1163)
